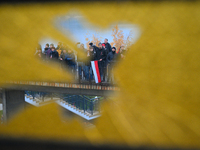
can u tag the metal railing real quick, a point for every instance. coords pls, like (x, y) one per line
(82, 103)
(83, 73)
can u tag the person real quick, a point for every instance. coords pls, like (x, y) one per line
(111, 56)
(47, 51)
(46, 48)
(104, 46)
(78, 44)
(51, 45)
(88, 67)
(82, 47)
(38, 48)
(101, 57)
(108, 50)
(70, 59)
(59, 48)
(62, 56)
(62, 59)
(122, 52)
(53, 54)
(64, 47)
(106, 63)
(111, 59)
(39, 54)
(107, 45)
(94, 47)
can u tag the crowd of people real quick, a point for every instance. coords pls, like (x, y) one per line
(106, 56)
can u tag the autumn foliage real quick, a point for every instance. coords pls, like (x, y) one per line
(94, 38)
(118, 38)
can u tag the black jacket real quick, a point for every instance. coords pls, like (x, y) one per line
(54, 55)
(108, 47)
(94, 48)
(100, 54)
(111, 57)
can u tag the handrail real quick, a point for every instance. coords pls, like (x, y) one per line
(81, 102)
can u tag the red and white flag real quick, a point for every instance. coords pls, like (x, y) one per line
(95, 69)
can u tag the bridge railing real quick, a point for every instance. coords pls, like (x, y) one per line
(84, 103)
(83, 74)
(80, 102)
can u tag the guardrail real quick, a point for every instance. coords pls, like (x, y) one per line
(90, 106)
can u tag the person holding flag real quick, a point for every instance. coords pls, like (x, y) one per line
(99, 63)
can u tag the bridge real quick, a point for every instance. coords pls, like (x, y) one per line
(13, 95)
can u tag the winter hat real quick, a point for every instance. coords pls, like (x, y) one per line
(114, 48)
(91, 44)
(103, 44)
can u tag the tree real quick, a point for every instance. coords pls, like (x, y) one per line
(118, 37)
(95, 39)
(129, 39)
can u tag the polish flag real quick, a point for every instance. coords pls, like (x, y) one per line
(95, 69)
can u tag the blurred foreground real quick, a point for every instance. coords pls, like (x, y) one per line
(158, 102)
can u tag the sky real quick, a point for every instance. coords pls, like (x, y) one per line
(77, 27)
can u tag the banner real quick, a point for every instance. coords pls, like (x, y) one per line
(95, 69)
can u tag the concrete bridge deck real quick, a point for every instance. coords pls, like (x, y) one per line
(68, 88)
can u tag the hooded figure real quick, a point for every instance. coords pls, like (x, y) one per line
(111, 56)
(111, 59)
